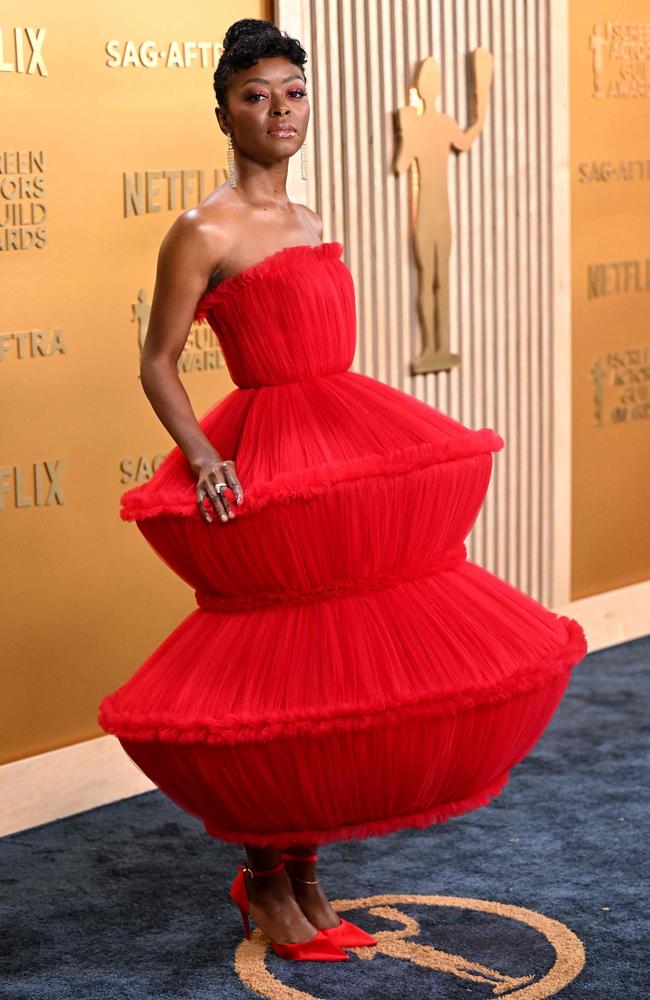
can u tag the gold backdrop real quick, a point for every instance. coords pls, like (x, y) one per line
(610, 189)
(108, 133)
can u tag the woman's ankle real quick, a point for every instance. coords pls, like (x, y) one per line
(301, 871)
(262, 858)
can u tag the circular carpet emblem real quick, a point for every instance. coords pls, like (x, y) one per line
(405, 945)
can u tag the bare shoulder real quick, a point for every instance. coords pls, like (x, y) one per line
(197, 235)
(312, 219)
(195, 246)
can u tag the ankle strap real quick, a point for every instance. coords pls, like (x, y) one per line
(262, 871)
(288, 856)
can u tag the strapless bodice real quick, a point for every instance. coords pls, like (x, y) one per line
(287, 318)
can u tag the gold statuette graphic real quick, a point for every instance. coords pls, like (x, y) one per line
(427, 139)
(598, 45)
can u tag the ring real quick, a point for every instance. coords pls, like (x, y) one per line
(219, 487)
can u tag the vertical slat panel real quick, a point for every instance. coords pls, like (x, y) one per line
(417, 385)
(486, 393)
(533, 156)
(499, 333)
(364, 56)
(544, 540)
(392, 71)
(559, 425)
(450, 385)
(521, 320)
(509, 359)
(474, 340)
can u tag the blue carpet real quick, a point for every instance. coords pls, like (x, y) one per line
(130, 900)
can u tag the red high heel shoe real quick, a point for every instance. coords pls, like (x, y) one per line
(344, 934)
(318, 948)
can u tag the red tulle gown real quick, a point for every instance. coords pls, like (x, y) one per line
(347, 671)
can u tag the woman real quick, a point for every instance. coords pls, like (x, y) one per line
(347, 672)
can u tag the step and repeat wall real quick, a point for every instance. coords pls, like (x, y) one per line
(610, 260)
(108, 133)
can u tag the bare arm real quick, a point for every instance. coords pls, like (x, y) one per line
(185, 261)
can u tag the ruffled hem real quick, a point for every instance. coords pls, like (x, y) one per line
(273, 262)
(232, 730)
(370, 828)
(144, 501)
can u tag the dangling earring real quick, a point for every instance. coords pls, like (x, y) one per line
(231, 163)
(303, 161)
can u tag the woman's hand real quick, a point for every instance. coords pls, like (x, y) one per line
(210, 472)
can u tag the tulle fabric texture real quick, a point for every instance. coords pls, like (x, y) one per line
(347, 671)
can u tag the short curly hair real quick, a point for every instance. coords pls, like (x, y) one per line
(244, 43)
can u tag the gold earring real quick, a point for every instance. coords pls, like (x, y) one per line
(303, 161)
(231, 163)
